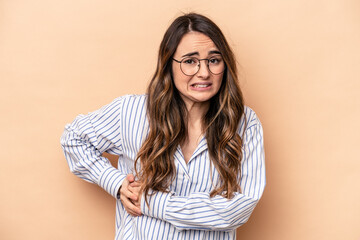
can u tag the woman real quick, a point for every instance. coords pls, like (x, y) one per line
(196, 151)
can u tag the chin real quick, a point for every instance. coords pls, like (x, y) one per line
(202, 100)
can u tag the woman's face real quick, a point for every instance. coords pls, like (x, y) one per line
(201, 87)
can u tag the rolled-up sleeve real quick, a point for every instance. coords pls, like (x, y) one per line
(86, 138)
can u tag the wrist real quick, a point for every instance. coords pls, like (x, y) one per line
(118, 193)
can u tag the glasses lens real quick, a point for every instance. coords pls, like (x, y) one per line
(190, 65)
(216, 64)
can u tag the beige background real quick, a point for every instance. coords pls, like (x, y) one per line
(300, 68)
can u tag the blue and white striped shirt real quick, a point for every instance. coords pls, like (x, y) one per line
(187, 211)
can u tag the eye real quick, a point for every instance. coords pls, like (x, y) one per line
(215, 60)
(190, 61)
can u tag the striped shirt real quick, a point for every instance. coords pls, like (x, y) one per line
(187, 211)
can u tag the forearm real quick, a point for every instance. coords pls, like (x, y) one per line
(89, 164)
(199, 211)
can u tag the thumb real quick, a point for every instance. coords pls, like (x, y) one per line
(130, 177)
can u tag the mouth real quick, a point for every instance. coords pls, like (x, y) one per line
(201, 85)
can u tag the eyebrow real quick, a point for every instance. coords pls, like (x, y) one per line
(197, 53)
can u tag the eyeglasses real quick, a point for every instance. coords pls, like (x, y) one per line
(191, 65)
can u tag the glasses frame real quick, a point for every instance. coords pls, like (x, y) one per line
(208, 67)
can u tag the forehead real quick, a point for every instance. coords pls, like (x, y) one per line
(195, 42)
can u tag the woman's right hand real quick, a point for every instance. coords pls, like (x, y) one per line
(130, 195)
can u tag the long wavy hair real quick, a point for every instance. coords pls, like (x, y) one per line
(167, 115)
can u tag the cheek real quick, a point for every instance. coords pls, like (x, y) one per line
(219, 80)
(180, 80)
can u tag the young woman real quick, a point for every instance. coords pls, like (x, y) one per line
(191, 158)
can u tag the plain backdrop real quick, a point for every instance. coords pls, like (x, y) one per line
(299, 63)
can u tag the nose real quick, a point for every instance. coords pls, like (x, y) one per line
(203, 69)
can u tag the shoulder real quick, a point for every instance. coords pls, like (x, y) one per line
(248, 120)
(131, 98)
(129, 101)
(132, 107)
(251, 118)
(121, 105)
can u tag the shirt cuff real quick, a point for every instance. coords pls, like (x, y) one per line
(111, 180)
(157, 204)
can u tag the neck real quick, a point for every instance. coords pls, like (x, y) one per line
(195, 116)
(196, 113)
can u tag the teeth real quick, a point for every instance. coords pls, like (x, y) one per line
(201, 85)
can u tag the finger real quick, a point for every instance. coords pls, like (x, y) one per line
(128, 192)
(129, 195)
(132, 213)
(134, 190)
(138, 201)
(130, 207)
(137, 204)
(130, 177)
(135, 184)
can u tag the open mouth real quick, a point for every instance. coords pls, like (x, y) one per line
(196, 85)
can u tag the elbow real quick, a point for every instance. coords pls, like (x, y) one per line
(68, 147)
(245, 218)
(244, 213)
(67, 138)
(247, 212)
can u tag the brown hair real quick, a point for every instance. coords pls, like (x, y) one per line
(167, 115)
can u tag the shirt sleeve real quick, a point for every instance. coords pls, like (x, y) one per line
(201, 212)
(84, 141)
